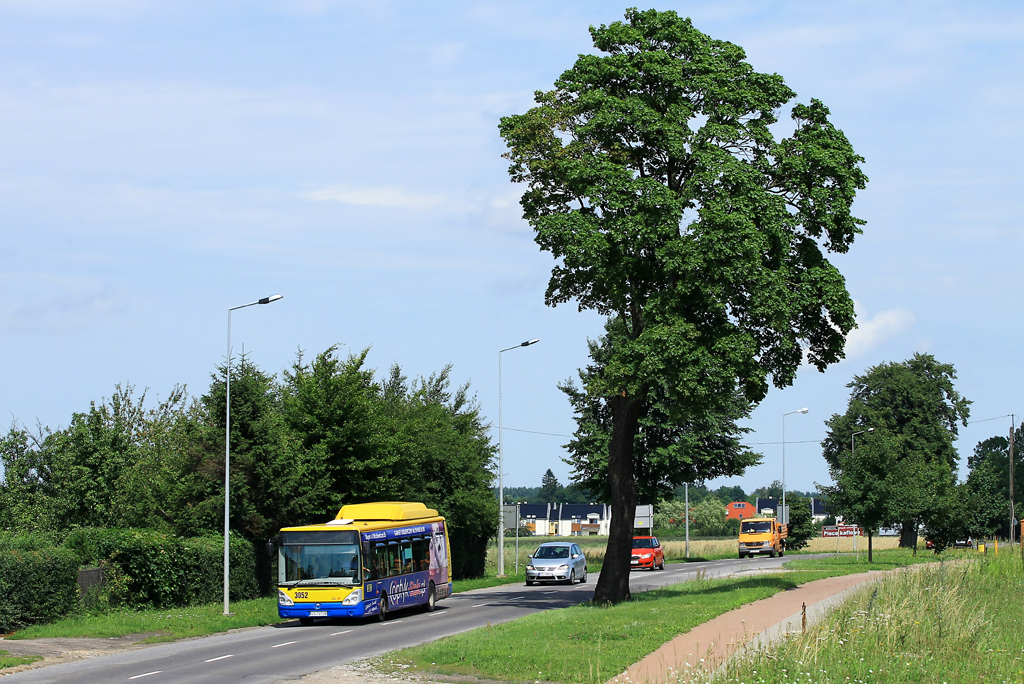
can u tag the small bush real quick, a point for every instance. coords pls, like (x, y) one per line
(146, 568)
(37, 586)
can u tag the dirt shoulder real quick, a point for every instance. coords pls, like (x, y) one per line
(56, 651)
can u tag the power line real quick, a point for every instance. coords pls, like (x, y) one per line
(534, 432)
(985, 420)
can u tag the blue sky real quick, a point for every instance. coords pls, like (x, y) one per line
(161, 162)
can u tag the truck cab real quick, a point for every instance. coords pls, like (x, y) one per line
(762, 536)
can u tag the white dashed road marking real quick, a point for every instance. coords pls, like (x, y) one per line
(211, 660)
(345, 632)
(478, 605)
(146, 674)
(287, 643)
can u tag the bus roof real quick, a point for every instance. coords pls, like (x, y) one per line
(386, 510)
(378, 515)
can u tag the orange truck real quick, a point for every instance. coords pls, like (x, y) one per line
(762, 535)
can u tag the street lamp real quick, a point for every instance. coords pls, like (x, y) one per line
(501, 467)
(803, 410)
(227, 453)
(852, 452)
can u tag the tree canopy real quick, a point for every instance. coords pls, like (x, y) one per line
(327, 434)
(914, 411)
(652, 176)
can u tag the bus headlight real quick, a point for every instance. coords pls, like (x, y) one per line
(353, 598)
(284, 599)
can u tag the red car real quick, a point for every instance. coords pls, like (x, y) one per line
(647, 553)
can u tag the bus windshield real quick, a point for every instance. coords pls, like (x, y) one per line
(329, 560)
(760, 526)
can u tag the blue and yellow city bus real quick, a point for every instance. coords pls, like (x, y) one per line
(372, 559)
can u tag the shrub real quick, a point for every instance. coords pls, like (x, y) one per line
(153, 569)
(38, 585)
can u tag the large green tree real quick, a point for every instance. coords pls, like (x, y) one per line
(990, 463)
(915, 411)
(652, 176)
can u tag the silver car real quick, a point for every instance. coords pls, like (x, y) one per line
(557, 562)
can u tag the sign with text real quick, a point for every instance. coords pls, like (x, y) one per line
(841, 531)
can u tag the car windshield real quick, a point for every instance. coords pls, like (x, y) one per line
(760, 526)
(552, 552)
(643, 544)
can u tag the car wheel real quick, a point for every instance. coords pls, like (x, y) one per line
(584, 580)
(530, 583)
(572, 577)
(383, 614)
(305, 621)
(431, 599)
(662, 566)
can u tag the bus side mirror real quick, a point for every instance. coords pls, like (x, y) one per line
(271, 547)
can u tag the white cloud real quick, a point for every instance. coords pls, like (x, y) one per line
(379, 197)
(871, 333)
(32, 304)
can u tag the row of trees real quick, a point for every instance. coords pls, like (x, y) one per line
(325, 434)
(901, 470)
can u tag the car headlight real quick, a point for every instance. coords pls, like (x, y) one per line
(646, 555)
(530, 567)
(563, 567)
(284, 599)
(353, 598)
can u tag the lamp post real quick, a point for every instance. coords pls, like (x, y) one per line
(861, 432)
(227, 454)
(803, 410)
(501, 468)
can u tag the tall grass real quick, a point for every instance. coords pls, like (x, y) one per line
(955, 621)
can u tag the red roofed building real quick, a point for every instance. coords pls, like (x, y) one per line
(740, 510)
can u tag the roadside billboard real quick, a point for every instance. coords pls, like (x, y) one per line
(841, 531)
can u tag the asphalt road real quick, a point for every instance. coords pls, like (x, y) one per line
(288, 651)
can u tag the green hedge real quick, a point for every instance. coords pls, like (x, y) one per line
(146, 568)
(36, 586)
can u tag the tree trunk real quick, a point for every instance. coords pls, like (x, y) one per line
(869, 547)
(908, 534)
(613, 585)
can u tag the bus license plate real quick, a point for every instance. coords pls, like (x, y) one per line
(318, 613)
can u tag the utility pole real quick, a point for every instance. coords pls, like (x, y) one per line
(1013, 517)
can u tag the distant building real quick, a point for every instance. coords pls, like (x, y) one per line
(739, 510)
(575, 520)
(766, 506)
(565, 520)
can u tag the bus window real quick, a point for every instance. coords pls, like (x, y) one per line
(407, 557)
(380, 561)
(395, 558)
(420, 554)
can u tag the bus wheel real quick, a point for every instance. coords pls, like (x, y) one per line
(383, 614)
(305, 621)
(431, 599)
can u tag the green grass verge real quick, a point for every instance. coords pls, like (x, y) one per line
(590, 644)
(7, 660)
(957, 621)
(167, 625)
